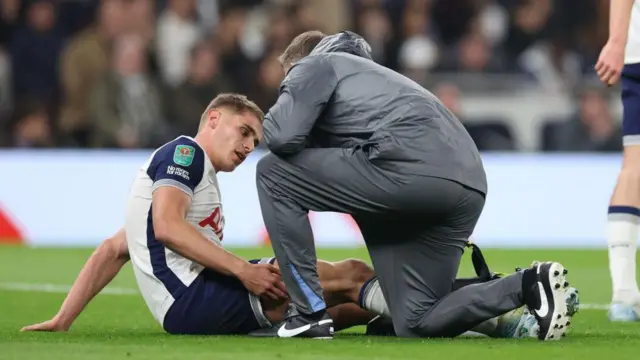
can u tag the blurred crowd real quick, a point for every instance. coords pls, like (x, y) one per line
(136, 73)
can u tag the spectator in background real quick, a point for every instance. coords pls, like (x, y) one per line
(280, 32)
(9, 15)
(452, 19)
(84, 61)
(32, 129)
(328, 16)
(490, 136)
(270, 75)
(208, 14)
(35, 48)
(332, 15)
(308, 17)
(419, 52)
(75, 15)
(235, 63)
(374, 26)
(6, 99)
(473, 54)
(203, 83)
(141, 19)
(178, 33)
(553, 65)
(126, 105)
(592, 128)
(491, 21)
(551, 41)
(527, 24)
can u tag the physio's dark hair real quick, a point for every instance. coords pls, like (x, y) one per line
(301, 46)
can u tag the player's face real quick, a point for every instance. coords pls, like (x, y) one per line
(234, 138)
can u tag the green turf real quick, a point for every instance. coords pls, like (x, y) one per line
(119, 326)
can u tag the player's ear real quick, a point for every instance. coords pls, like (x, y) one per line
(213, 118)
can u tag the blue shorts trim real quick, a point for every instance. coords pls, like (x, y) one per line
(216, 304)
(631, 104)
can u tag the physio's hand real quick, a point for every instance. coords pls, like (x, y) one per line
(610, 63)
(53, 325)
(263, 280)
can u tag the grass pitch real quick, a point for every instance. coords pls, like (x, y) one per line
(117, 325)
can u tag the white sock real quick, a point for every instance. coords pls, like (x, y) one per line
(622, 237)
(373, 300)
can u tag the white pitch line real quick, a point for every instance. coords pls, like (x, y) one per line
(63, 289)
(594, 306)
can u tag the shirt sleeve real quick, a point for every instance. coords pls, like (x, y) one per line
(304, 94)
(179, 165)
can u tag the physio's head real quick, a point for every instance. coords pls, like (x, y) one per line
(230, 128)
(300, 46)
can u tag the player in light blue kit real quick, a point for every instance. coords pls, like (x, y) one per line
(620, 58)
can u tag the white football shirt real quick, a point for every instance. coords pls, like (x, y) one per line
(161, 274)
(632, 50)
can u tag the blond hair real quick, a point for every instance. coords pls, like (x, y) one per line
(237, 103)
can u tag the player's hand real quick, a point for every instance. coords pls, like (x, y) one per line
(610, 63)
(50, 325)
(263, 280)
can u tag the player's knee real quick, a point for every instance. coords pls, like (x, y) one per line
(356, 270)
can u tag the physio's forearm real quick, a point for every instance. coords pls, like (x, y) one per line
(619, 18)
(103, 265)
(184, 239)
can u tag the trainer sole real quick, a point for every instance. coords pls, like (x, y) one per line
(560, 319)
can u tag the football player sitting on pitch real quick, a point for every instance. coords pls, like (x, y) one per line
(172, 235)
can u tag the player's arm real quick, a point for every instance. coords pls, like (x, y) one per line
(611, 60)
(169, 208)
(174, 184)
(619, 18)
(101, 268)
(304, 94)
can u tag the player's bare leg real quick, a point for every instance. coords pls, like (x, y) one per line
(622, 235)
(341, 282)
(349, 315)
